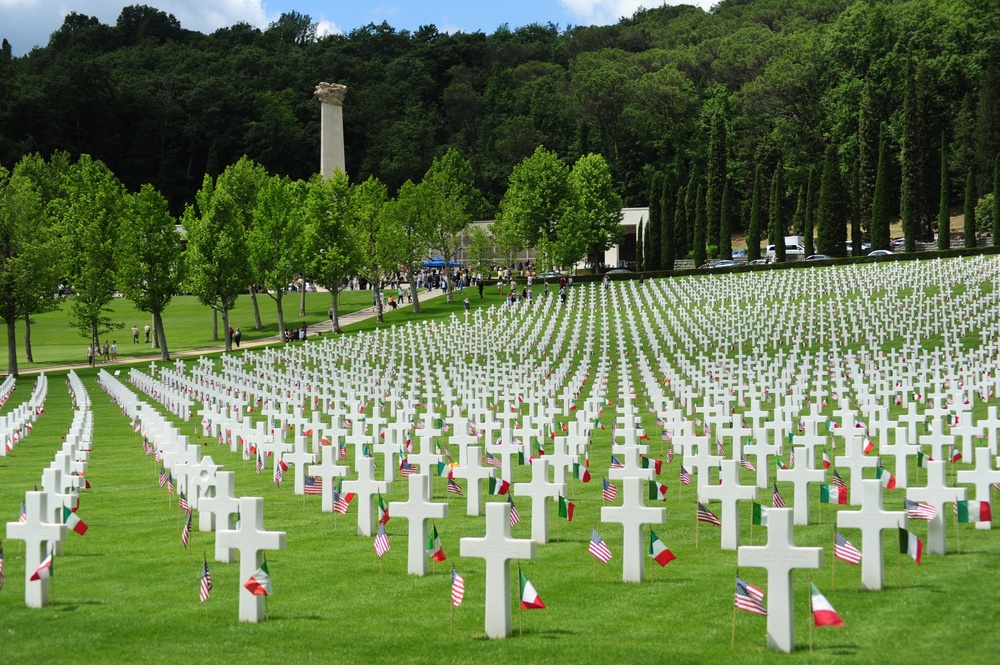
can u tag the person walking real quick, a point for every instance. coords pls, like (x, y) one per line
(135, 334)
(90, 354)
(114, 350)
(238, 337)
(147, 333)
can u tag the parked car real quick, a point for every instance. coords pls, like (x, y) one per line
(758, 262)
(897, 242)
(724, 263)
(552, 274)
(817, 257)
(619, 271)
(881, 252)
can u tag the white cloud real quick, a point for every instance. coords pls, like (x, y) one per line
(324, 28)
(606, 12)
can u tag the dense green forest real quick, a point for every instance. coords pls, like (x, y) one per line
(751, 89)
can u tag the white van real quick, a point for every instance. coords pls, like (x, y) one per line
(795, 249)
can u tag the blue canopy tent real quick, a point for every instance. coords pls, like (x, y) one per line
(438, 262)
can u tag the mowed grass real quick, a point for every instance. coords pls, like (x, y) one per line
(127, 591)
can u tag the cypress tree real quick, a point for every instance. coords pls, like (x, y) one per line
(856, 240)
(716, 175)
(944, 212)
(655, 222)
(831, 218)
(809, 220)
(776, 224)
(996, 201)
(800, 212)
(725, 214)
(640, 263)
(756, 217)
(680, 227)
(647, 248)
(667, 244)
(690, 203)
(700, 222)
(970, 210)
(880, 198)
(868, 147)
(909, 193)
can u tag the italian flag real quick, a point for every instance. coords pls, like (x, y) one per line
(259, 583)
(833, 494)
(888, 480)
(922, 460)
(657, 491)
(826, 460)
(44, 571)
(973, 511)
(566, 508)
(659, 552)
(530, 599)
(910, 544)
(74, 522)
(868, 445)
(656, 464)
(498, 486)
(581, 472)
(434, 549)
(759, 514)
(383, 511)
(823, 612)
(954, 454)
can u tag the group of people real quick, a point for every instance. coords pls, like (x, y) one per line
(294, 334)
(109, 352)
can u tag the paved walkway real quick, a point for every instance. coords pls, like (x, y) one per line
(322, 327)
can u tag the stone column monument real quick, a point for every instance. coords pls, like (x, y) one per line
(331, 150)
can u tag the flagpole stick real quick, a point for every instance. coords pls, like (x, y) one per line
(732, 639)
(811, 621)
(696, 526)
(958, 534)
(451, 632)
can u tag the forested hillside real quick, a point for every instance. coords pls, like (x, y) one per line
(755, 86)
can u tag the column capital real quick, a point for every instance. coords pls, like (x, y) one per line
(331, 93)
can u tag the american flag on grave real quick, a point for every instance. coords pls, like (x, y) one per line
(313, 485)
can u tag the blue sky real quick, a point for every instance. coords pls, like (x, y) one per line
(28, 23)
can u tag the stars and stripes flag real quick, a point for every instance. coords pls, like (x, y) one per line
(260, 463)
(844, 550)
(837, 480)
(515, 516)
(170, 483)
(492, 460)
(609, 491)
(279, 472)
(163, 476)
(457, 588)
(685, 476)
(183, 503)
(616, 463)
(670, 454)
(776, 500)
(749, 598)
(22, 517)
(313, 485)
(745, 463)
(186, 531)
(598, 547)
(454, 487)
(206, 583)
(719, 450)
(407, 469)
(705, 515)
(341, 502)
(381, 541)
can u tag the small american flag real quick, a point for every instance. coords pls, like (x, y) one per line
(670, 454)
(313, 485)
(206, 583)
(685, 476)
(170, 483)
(260, 463)
(749, 598)
(616, 463)
(745, 463)
(844, 550)
(598, 548)
(610, 491)
(491, 460)
(163, 476)
(837, 480)
(381, 541)
(186, 532)
(515, 516)
(705, 515)
(776, 500)
(454, 487)
(183, 503)
(457, 588)
(341, 502)
(407, 469)
(1, 566)
(279, 475)
(719, 450)
(919, 511)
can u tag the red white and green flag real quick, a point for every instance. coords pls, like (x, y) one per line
(581, 472)
(759, 514)
(530, 600)
(973, 511)
(566, 508)
(657, 491)
(888, 480)
(833, 494)
(434, 549)
(498, 486)
(911, 545)
(259, 583)
(923, 459)
(44, 570)
(659, 552)
(73, 522)
(823, 612)
(383, 511)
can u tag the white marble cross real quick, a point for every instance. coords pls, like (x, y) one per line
(780, 557)
(416, 511)
(328, 471)
(855, 459)
(802, 473)
(365, 487)
(251, 540)
(53, 486)
(474, 471)
(762, 453)
(498, 548)
(982, 477)
(703, 462)
(632, 515)
(872, 520)
(730, 492)
(561, 459)
(902, 450)
(540, 490)
(300, 457)
(201, 478)
(36, 534)
(937, 493)
(218, 512)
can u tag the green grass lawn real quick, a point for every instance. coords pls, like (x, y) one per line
(127, 591)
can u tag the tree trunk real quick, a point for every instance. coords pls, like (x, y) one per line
(302, 299)
(156, 340)
(377, 288)
(335, 298)
(11, 347)
(27, 338)
(257, 325)
(215, 324)
(225, 328)
(161, 336)
(278, 295)
(413, 292)
(447, 282)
